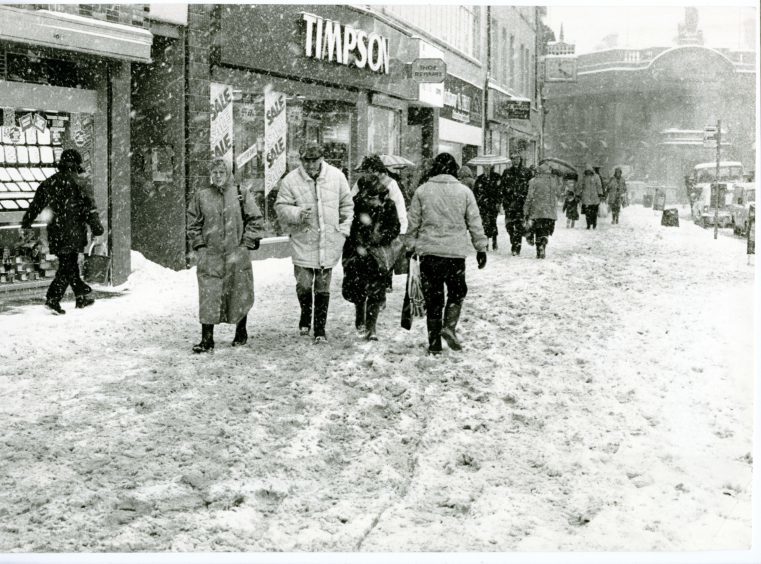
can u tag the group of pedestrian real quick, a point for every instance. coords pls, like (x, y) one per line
(591, 192)
(367, 228)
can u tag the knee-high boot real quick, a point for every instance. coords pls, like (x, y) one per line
(448, 331)
(373, 310)
(207, 339)
(305, 302)
(434, 336)
(241, 334)
(321, 303)
(359, 316)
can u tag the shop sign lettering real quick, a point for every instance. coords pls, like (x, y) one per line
(275, 129)
(462, 101)
(25, 121)
(221, 108)
(40, 122)
(330, 40)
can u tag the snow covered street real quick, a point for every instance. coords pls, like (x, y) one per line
(603, 401)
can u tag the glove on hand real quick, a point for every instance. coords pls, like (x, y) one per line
(481, 259)
(255, 245)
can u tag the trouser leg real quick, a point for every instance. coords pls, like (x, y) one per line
(322, 279)
(433, 290)
(304, 284)
(67, 263)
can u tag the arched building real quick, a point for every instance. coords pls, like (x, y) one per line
(647, 109)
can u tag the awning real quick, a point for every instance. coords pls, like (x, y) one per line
(460, 132)
(75, 33)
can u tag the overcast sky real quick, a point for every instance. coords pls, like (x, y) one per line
(639, 26)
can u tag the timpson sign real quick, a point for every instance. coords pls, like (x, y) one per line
(332, 41)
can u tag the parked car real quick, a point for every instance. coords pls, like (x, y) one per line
(744, 198)
(705, 206)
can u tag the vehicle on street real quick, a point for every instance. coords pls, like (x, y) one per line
(744, 198)
(709, 191)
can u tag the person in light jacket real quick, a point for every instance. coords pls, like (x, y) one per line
(71, 200)
(368, 255)
(224, 223)
(315, 207)
(444, 227)
(541, 206)
(589, 190)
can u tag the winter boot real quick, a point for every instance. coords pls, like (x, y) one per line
(305, 322)
(451, 317)
(541, 249)
(359, 318)
(83, 301)
(321, 303)
(434, 336)
(494, 243)
(241, 334)
(54, 307)
(373, 309)
(207, 339)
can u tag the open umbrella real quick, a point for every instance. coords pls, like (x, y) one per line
(567, 169)
(488, 160)
(395, 161)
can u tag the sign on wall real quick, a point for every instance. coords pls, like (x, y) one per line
(428, 70)
(221, 96)
(559, 68)
(517, 109)
(462, 101)
(275, 129)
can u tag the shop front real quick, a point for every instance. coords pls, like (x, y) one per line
(71, 96)
(460, 120)
(509, 129)
(330, 74)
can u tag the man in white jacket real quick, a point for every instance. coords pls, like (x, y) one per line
(314, 205)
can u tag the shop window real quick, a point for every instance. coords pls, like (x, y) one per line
(384, 131)
(29, 67)
(326, 122)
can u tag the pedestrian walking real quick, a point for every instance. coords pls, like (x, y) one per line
(589, 191)
(71, 200)
(369, 253)
(224, 224)
(514, 189)
(465, 176)
(487, 190)
(444, 227)
(541, 207)
(616, 194)
(571, 208)
(315, 207)
(372, 167)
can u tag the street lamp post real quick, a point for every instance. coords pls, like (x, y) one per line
(716, 181)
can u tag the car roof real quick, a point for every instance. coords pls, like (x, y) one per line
(713, 164)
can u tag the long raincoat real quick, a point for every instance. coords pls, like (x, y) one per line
(225, 276)
(589, 189)
(616, 192)
(319, 242)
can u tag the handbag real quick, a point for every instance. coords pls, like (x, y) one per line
(386, 256)
(96, 268)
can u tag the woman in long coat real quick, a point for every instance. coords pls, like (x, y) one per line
(541, 206)
(368, 255)
(488, 192)
(616, 193)
(590, 193)
(223, 225)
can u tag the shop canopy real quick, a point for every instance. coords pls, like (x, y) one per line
(395, 161)
(488, 160)
(75, 33)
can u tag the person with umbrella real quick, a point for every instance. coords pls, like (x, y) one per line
(487, 192)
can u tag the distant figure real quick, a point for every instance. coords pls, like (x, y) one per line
(589, 191)
(514, 189)
(368, 252)
(487, 190)
(616, 194)
(71, 200)
(541, 207)
(444, 227)
(571, 208)
(223, 225)
(314, 205)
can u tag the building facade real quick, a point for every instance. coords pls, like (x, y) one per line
(646, 109)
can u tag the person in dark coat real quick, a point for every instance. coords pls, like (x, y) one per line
(224, 223)
(73, 205)
(616, 188)
(571, 208)
(369, 253)
(487, 190)
(514, 189)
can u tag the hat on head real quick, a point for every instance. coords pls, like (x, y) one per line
(311, 151)
(70, 160)
(372, 163)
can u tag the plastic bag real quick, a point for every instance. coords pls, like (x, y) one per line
(414, 301)
(602, 211)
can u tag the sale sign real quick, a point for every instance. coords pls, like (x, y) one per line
(221, 108)
(275, 129)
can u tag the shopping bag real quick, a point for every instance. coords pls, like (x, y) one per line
(386, 256)
(414, 300)
(96, 268)
(602, 211)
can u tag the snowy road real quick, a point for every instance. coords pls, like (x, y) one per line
(603, 401)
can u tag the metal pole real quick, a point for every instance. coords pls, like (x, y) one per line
(716, 181)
